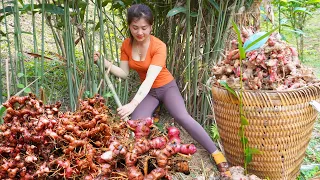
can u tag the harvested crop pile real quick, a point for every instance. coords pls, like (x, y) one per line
(274, 66)
(38, 141)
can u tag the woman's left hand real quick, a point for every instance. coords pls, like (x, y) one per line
(126, 110)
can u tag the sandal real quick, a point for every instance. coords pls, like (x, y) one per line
(222, 164)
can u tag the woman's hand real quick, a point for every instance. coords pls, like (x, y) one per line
(126, 110)
(96, 57)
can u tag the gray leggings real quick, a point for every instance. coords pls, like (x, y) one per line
(170, 95)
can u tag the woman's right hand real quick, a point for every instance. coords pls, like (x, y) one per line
(96, 57)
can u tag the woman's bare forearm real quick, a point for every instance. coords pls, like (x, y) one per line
(122, 71)
(146, 85)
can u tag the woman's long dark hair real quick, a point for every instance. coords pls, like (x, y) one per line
(138, 11)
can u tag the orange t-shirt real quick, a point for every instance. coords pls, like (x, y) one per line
(156, 55)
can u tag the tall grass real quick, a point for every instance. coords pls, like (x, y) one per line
(195, 33)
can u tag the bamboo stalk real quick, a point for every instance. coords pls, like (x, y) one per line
(18, 44)
(90, 75)
(57, 38)
(118, 88)
(101, 37)
(196, 62)
(188, 58)
(205, 106)
(35, 48)
(41, 72)
(92, 49)
(69, 57)
(1, 81)
(8, 82)
(121, 90)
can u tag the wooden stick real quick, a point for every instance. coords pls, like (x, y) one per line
(111, 87)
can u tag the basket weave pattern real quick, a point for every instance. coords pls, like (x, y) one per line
(280, 126)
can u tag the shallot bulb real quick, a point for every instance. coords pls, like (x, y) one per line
(188, 149)
(173, 132)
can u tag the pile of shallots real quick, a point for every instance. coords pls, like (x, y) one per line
(38, 141)
(274, 66)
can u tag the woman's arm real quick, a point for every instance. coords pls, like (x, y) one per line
(152, 73)
(122, 71)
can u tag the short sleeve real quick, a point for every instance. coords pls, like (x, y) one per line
(124, 51)
(160, 55)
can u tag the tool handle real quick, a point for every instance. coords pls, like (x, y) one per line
(111, 87)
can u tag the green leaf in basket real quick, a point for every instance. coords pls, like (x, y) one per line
(242, 52)
(241, 131)
(237, 30)
(242, 111)
(254, 151)
(257, 40)
(225, 85)
(244, 140)
(257, 44)
(244, 120)
(248, 155)
(240, 47)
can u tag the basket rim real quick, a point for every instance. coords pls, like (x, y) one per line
(316, 85)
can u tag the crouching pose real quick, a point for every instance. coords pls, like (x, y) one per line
(147, 55)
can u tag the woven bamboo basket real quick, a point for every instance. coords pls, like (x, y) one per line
(280, 126)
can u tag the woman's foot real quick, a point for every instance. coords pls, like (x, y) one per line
(222, 164)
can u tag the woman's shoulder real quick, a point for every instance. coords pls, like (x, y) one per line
(126, 42)
(157, 42)
(126, 45)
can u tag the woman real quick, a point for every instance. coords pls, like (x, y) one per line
(147, 55)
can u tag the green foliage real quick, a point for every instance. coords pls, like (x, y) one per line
(225, 85)
(215, 5)
(296, 14)
(243, 120)
(107, 95)
(55, 83)
(308, 174)
(176, 10)
(2, 110)
(214, 133)
(48, 8)
(312, 152)
(160, 126)
(22, 86)
(257, 40)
